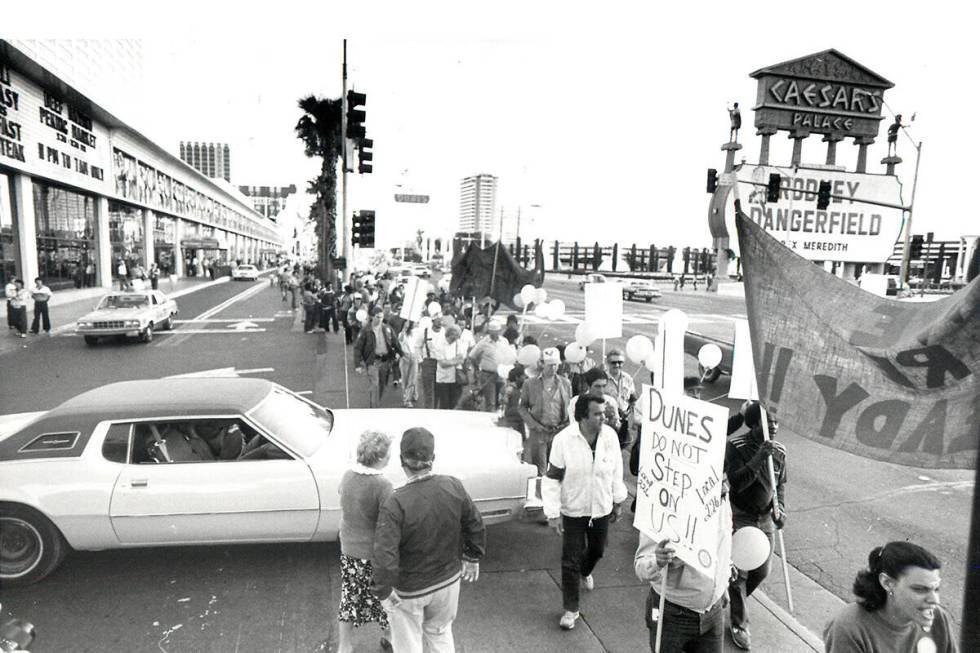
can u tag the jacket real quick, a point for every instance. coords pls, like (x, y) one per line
(365, 344)
(423, 527)
(579, 483)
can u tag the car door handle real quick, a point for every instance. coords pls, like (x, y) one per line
(139, 482)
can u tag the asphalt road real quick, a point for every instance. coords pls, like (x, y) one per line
(283, 597)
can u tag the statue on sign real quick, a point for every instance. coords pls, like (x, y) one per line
(893, 134)
(736, 117)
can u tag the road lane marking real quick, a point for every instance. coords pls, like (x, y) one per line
(183, 334)
(198, 332)
(216, 320)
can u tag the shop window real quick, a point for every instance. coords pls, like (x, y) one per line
(65, 223)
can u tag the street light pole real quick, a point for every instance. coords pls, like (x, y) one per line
(344, 235)
(903, 278)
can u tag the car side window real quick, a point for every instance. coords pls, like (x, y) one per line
(115, 447)
(218, 439)
(155, 299)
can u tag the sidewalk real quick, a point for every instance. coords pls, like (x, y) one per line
(612, 621)
(66, 306)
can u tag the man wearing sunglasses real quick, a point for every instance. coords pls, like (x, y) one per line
(620, 385)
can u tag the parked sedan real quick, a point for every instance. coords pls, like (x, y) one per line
(641, 289)
(245, 273)
(135, 314)
(218, 461)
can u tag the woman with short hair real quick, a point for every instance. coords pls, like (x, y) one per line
(897, 608)
(363, 490)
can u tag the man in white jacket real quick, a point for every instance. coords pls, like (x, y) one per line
(583, 491)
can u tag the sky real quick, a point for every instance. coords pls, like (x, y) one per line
(600, 121)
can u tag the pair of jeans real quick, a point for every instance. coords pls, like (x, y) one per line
(409, 369)
(489, 388)
(745, 583)
(537, 448)
(684, 630)
(427, 383)
(328, 316)
(425, 623)
(582, 544)
(41, 318)
(377, 374)
(447, 395)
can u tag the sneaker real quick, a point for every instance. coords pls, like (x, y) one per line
(22, 335)
(396, 383)
(588, 582)
(741, 637)
(568, 620)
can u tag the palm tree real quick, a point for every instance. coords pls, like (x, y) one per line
(319, 129)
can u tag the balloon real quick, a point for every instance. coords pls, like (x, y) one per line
(361, 315)
(504, 370)
(540, 296)
(374, 297)
(574, 352)
(531, 372)
(529, 355)
(518, 301)
(584, 334)
(434, 308)
(507, 356)
(557, 308)
(541, 310)
(709, 356)
(650, 362)
(528, 293)
(425, 322)
(638, 348)
(750, 548)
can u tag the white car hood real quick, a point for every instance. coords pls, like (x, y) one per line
(114, 314)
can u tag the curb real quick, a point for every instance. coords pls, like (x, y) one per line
(788, 620)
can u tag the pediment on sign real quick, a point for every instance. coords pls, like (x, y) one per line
(829, 65)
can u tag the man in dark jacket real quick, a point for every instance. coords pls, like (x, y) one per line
(423, 529)
(375, 349)
(751, 497)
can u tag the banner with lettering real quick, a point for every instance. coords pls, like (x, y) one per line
(682, 460)
(881, 378)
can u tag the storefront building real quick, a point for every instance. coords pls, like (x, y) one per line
(82, 193)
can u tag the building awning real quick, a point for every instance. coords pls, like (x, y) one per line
(202, 243)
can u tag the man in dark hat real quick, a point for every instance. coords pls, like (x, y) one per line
(422, 528)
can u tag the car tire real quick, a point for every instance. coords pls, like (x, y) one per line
(713, 376)
(168, 324)
(32, 547)
(147, 335)
(91, 341)
(649, 299)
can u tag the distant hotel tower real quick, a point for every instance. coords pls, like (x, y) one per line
(477, 204)
(210, 159)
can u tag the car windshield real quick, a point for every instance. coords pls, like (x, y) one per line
(124, 301)
(246, 267)
(301, 425)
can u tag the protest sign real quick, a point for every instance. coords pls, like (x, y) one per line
(604, 309)
(682, 460)
(415, 294)
(743, 385)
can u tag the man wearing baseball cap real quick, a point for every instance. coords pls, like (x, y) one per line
(422, 528)
(487, 355)
(542, 407)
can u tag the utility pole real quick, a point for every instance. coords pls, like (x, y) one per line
(345, 247)
(903, 277)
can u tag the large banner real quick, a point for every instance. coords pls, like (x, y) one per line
(682, 460)
(881, 378)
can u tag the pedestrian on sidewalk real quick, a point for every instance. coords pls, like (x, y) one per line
(897, 608)
(363, 490)
(596, 382)
(694, 609)
(375, 350)
(510, 406)
(409, 364)
(427, 344)
(751, 496)
(328, 308)
(10, 291)
(487, 355)
(18, 303)
(450, 375)
(310, 304)
(41, 294)
(122, 274)
(154, 276)
(621, 387)
(543, 406)
(429, 536)
(353, 321)
(583, 492)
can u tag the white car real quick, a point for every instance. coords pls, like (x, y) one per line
(127, 313)
(641, 289)
(591, 278)
(117, 467)
(245, 273)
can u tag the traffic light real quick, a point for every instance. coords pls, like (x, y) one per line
(355, 116)
(772, 189)
(356, 229)
(712, 180)
(823, 195)
(367, 228)
(915, 250)
(365, 156)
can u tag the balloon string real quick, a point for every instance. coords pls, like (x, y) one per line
(718, 397)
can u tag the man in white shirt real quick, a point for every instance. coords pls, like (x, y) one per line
(428, 341)
(10, 291)
(41, 295)
(489, 353)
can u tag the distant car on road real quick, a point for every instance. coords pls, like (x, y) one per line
(641, 289)
(591, 278)
(168, 462)
(135, 314)
(245, 273)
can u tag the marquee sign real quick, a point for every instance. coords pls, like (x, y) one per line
(823, 93)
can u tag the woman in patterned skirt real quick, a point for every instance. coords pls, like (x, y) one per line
(363, 489)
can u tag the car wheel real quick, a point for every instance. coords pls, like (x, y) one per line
(168, 324)
(649, 299)
(31, 547)
(712, 376)
(147, 335)
(91, 341)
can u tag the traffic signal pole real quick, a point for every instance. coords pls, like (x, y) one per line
(903, 278)
(344, 233)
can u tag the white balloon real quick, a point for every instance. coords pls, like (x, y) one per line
(504, 370)
(425, 322)
(750, 548)
(531, 371)
(541, 296)
(541, 310)
(638, 348)
(518, 301)
(650, 362)
(508, 356)
(557, 308)
(434, 308)
(528, 293)
(709, 356)
(529, 355)
(574, 352)
(361, 315)
(584, 334)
